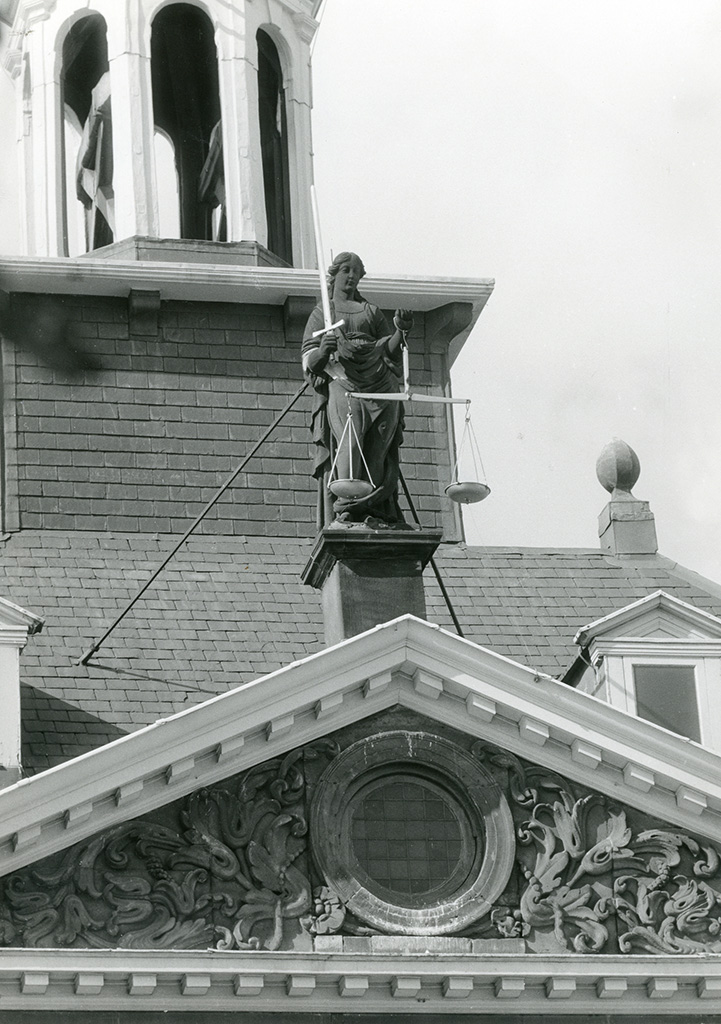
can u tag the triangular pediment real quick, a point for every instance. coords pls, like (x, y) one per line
(372, 829)
(659, 616)
(221, 831)
(396, 827)
(406, 662)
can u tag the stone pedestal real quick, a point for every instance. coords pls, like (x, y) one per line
(627, 527)
(369, 577)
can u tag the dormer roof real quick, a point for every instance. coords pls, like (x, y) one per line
(658, 615)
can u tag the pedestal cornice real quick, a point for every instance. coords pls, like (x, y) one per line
(350, 545)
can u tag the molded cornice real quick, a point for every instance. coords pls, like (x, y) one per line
(96, 980)
(405, 662)
(223, 283)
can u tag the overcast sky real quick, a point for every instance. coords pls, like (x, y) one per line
(572, 151)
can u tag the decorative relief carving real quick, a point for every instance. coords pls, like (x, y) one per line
(228, 867)
(328, 912)
(596, 883)
(228, 870)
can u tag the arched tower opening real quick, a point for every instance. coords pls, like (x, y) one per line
(185, 120)
(274, 147)
(186, 108)
(88, 136)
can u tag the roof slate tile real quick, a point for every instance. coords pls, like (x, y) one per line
(230, 608)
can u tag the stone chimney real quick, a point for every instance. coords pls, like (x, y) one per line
(368, 577)
(626, 526)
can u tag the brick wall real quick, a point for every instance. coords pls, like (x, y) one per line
(144, 443)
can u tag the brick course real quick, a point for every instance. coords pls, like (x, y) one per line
(146, 441)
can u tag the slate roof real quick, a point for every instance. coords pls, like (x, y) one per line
(229, 609)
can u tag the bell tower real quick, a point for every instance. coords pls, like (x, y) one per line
(148, 120)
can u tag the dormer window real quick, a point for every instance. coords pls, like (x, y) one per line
(667, 695)
(659, 659)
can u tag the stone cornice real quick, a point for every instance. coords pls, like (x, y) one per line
(224, 283)
(298, 982)
(407, 662)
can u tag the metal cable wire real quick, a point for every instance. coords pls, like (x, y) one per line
(436, 572)
(85, 658)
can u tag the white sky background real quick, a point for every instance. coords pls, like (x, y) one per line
(572, 151)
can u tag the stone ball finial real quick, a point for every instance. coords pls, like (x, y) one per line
(618, 468)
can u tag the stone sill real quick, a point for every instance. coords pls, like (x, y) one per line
(413, 945)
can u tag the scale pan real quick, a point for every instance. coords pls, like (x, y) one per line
(350, 488)
(467, 492)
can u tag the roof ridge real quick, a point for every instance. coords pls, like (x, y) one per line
(690, 576)
(521, 549)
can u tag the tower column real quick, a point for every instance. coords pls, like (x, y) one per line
(136, 205)
(299, 106)
(243, 168)
(47, 200)
(300, 158)
(26, 168)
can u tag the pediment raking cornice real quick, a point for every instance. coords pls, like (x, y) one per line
(405, 662)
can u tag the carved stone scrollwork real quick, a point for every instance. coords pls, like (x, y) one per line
(495, 848)
(227, 867)
(595, 883)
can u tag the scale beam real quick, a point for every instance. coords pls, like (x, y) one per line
(408, 396)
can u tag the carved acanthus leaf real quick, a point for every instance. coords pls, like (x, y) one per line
(587, 867)
(226, 862)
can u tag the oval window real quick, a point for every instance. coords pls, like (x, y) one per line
(412, 833)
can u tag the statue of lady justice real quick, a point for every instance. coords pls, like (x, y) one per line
(363, 355)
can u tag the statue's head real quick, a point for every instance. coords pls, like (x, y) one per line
(341, 259)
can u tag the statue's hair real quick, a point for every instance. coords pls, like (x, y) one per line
(335, 266)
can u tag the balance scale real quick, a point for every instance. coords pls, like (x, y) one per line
(464, 492)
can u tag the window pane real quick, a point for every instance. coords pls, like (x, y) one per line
(666, 695)
(408, 836)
